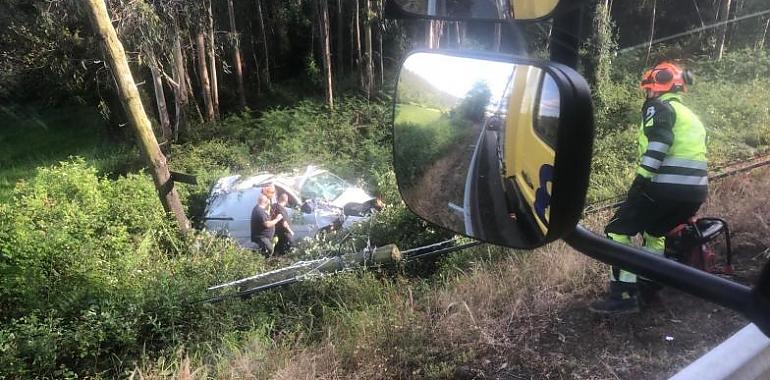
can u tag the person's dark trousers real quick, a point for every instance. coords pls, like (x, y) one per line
(284, 244)
(265, 246)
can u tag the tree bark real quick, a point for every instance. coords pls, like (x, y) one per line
(213, 63)
(264, 44)
(380, 31)
(181, 100)
(724, 15)
(359, 51)
(369, 60)
(160, 99)
(340, 54)
(129, 96)
(323, 26)
(237, 65)
(254, 58)
(203, 72)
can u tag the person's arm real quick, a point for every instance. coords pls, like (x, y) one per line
(658, 121)
(288, 228)
(274, 221)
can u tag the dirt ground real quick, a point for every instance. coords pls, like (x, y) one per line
(666, 336)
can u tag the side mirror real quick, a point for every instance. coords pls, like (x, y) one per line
(489, 10)
(494, 147)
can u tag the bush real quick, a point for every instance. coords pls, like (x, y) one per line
(92, 270)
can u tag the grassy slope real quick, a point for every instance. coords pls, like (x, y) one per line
(495, 313)
(33, 137)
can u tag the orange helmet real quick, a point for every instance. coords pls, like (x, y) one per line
(666, 77)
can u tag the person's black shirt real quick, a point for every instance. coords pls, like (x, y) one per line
(279, 209)
(258, 229)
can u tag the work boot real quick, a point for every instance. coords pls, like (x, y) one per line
(622, 299)
(648, 291)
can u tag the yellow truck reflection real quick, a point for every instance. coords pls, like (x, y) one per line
(527, 142)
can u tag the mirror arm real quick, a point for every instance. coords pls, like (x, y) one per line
(753, 303)
(565, 44)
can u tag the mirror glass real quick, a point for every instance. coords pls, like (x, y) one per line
(480, 9)
(474, 145)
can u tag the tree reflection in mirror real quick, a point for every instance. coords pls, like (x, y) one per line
(474, 145)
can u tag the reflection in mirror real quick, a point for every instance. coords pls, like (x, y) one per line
(474, 145)
(480, 9)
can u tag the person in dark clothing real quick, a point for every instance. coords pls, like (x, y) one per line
(262, 226)
(283, 230)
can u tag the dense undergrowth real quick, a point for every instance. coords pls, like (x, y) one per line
(97, 282)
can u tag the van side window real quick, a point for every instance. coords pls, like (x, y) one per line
(546, 114)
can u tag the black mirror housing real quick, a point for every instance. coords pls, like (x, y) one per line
(491, 146)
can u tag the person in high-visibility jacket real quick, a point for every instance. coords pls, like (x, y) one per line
(671, 181)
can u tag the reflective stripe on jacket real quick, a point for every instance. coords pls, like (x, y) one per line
(672, 149)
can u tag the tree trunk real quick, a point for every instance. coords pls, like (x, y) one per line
(340, 54)
(129, 96)
(458, 36)
(359, 51)
(380, 31)
(191, 95)
(180, 90)
(323, 26)
(264, 44)
(369, 60)
(724, 15)
(237, 67)
(254, 58)
(203, 72)
(160, 100)
(213, 63)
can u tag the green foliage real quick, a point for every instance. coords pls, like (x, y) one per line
(92, 270)
(728, 96)
(475, 102)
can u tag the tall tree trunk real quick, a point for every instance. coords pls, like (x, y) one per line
(369, 60)
(213, 63)
(359, 51)
(724, 15)
(180, 89)
(458, 36)
(652, 32)
(340, 54)
(254, 58)
(380, 31)
(237, 66)
(191, 95)
(323, 26)
(264, 44)
(203, 72)
(129, 96)
(160, 99)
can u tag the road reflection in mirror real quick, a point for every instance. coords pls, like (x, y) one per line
(474, 142)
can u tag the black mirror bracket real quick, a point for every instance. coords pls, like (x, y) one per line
(761, 296)
(753, 303)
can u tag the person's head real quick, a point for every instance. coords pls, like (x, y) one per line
(268, 191)
(283, 198)
(665, 77)
(263, 201)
